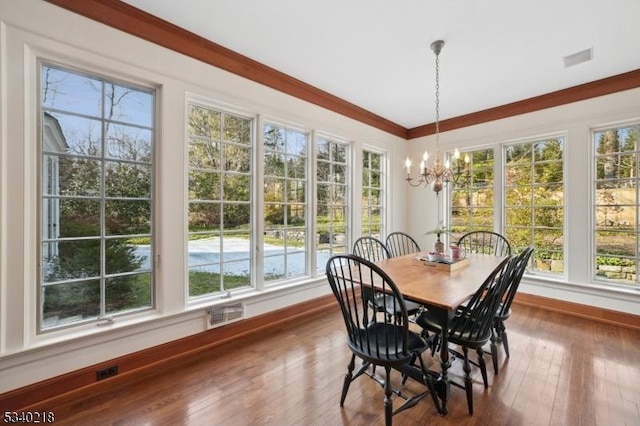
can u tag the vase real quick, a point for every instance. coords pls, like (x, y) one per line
(438, 246)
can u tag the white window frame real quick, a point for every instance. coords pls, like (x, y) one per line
(503, 201)
(594, 276)
(205, 103)
(497, 177)
(384, 185)
(308, 204)
(40, 62)
(320, 268)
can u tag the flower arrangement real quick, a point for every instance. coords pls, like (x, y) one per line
(439, 230)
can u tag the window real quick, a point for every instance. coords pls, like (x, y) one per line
(220, 158)
(96, 197)
(285, 203)
(333, 196)
(616, 233)
(373, 194)
(534, 193)
(472, 192)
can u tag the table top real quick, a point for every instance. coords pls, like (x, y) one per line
(434, 287)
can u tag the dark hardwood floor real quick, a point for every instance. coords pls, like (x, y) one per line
(562, 371)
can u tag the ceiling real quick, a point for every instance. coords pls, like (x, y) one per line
(376, 53)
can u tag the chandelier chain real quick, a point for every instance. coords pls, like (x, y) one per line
(437, 102)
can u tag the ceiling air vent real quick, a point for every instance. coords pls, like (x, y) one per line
(578, 58)
(224, 314)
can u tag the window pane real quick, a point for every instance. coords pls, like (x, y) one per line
(236, 216)
(274, 267)
(78, 217)
(204, 122)
(121, 256)
(285, 199)
(471, 190)
(204, 154)
(71, 92)
(333, 193)
(128, 292)
(127, 217)
(237, 275)
(616, 232)
(237, 187)
(274, 189)
(80, 136)
(237, 130)
(128, 143)
(372, 194)
(204, 185)
(204, 216)
(85, 120)
(204, 280)
(71, 259)
(534, 201)
(127, 180)
(237, 159)
(70, 303)
(71, 176)
(205, 250)
(296, 143)
(220, 169)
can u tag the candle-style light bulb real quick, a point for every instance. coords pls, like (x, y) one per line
(425, 156)
(407, 164)
(466, 158)
(456, 154)
(423, 165)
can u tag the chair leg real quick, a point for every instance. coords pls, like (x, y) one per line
(494, 350)
(467, 379)
(429, 381)
(347, 379)
(505, 341)
(388, 402)
(483, 366)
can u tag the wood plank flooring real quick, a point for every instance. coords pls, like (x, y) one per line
(562, 371)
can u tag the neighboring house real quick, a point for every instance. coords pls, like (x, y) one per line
(53, 141)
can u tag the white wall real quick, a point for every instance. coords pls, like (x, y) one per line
(31, 29)
(575, 121)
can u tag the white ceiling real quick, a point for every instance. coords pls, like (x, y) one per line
(376, 54)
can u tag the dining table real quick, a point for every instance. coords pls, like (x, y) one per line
(441, 289)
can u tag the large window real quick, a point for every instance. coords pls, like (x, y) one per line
(616, 233)
(220, 158)
(533, 205)
(373, 167)
(332, 199)
(285, 203)
(96, 197)
(472, 192)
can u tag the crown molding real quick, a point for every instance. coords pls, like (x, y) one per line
(124, 17)
(605, 86)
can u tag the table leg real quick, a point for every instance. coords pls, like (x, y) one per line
(445, 386)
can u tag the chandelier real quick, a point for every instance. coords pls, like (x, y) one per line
(436, 174)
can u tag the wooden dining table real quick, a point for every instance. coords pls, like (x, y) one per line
(441, 291)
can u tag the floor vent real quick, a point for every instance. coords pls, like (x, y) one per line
(224, 314)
